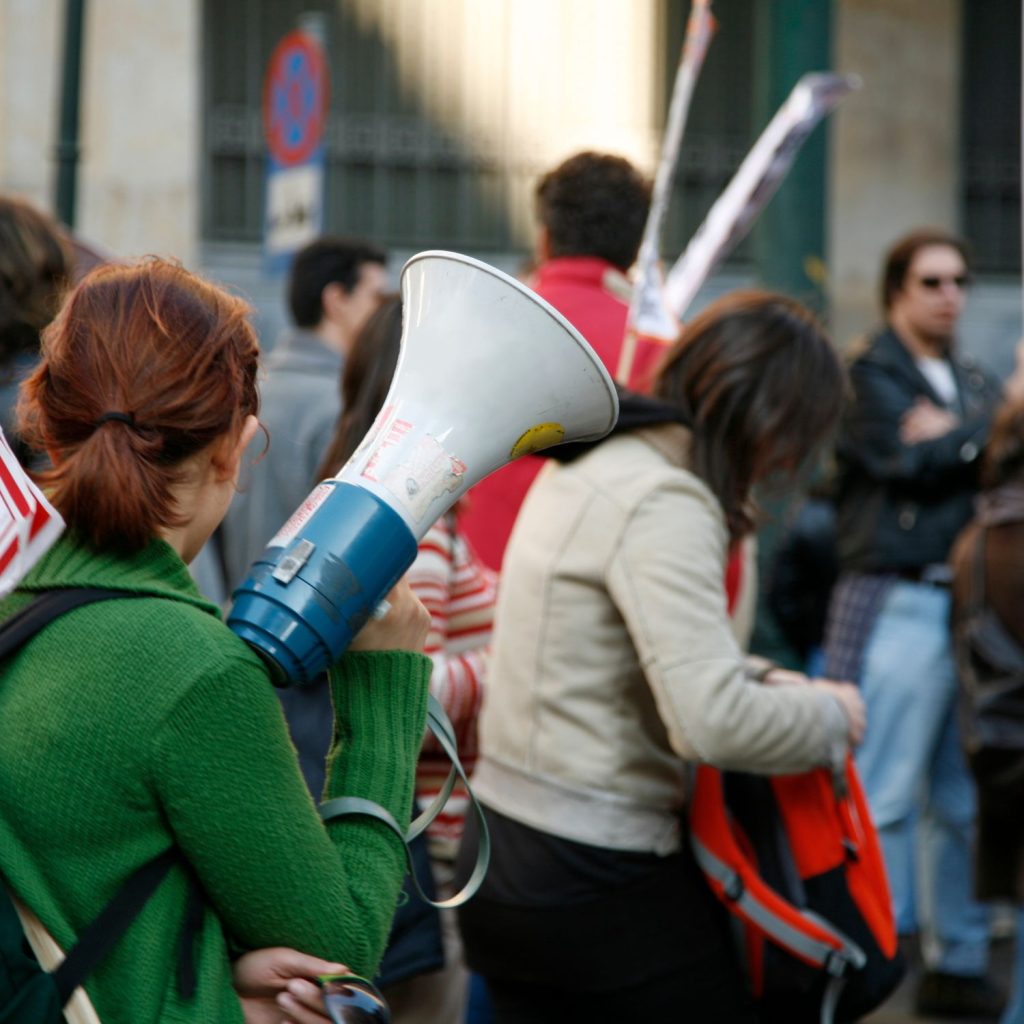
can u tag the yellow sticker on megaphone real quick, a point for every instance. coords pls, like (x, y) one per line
(544, 435)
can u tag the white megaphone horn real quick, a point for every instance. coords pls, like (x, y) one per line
(487, 372)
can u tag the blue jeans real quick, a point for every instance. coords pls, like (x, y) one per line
(916, 779)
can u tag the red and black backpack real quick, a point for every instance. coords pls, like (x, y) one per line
(797, 861)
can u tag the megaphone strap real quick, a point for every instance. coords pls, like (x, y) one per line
(438, 723)
(342, 806)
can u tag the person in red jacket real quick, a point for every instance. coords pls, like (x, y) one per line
(591, 210)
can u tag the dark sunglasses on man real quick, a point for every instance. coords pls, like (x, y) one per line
(933, 282)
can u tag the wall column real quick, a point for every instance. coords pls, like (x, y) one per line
(895, 145)
(793, 37)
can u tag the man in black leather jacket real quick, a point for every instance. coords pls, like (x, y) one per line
(907, 458)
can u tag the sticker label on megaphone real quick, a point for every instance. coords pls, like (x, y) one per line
(416, 471)
(300, 516)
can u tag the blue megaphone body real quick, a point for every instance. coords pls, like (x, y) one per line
(487, 372)
(306, 597)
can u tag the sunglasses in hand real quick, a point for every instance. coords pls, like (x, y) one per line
(350, 999)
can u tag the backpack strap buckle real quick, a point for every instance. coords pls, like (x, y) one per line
(732, 887)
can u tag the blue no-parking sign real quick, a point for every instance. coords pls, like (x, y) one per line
(295, 94)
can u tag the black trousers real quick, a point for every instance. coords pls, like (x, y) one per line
(657, 948)
(674, 998)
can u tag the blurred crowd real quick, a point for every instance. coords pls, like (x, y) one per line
(583, 616)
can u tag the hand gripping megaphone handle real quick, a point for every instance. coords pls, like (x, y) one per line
(327, 572)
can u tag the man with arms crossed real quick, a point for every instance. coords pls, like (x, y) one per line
(907, 459)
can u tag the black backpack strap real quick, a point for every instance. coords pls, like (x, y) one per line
(102, 934)
(43, 609)
(195, 908)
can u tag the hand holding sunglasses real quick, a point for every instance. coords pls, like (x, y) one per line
(353, 1000)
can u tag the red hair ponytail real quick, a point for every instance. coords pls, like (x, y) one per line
(174, 356)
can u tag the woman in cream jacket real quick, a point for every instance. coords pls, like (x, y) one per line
(615, 663)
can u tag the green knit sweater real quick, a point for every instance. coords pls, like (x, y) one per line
(130, 725)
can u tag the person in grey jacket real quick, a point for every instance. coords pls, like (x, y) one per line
(334, 286)
(615, 662)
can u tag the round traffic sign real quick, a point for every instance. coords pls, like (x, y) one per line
(295, 99)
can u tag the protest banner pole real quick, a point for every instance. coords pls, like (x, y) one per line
(68, 149)
(760, 174)
(647, 311)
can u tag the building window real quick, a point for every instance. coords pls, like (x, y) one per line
(990, 134)
(411, 180)
(720, 128)
(393, 174)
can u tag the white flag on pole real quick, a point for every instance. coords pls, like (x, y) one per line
(648, 314)
(756, 181)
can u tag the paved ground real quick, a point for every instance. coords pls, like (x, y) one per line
(899, 1009)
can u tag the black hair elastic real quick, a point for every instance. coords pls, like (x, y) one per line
(121, 417)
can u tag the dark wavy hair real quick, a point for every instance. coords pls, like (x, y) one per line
(763, 388)
(35, 270)
(1004, 454)
(902, 252)
(326, 261)
(594, 204)
(369, 369)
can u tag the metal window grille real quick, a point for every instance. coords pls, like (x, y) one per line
(720, 128)
(396, 175)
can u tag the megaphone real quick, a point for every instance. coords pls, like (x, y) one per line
(487, 372)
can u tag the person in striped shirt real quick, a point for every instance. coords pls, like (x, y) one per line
(459, 592)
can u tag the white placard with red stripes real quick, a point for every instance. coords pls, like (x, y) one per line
(29, 524)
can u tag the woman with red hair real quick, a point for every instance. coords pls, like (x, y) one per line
(140, 724)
